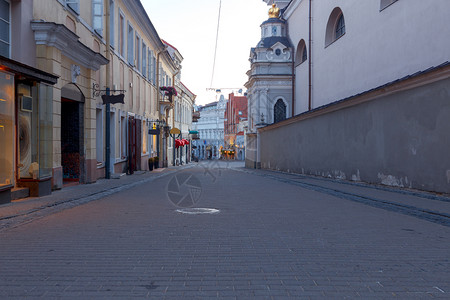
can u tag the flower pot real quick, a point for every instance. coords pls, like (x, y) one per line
(150, 164)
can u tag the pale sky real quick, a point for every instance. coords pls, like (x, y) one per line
(191, 26)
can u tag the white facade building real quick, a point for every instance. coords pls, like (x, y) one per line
(210, 129)
(380, 41)
(370, 94)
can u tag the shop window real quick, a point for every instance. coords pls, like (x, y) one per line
(6, 129)
(123, 138)
(99, 135)
(5, 25)
(144, 137)
(35, 131)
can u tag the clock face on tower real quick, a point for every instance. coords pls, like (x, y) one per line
(274, 30)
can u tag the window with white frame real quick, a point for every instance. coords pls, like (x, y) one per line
(5, 28)
(74, 5)
(130, 47)
(137, 57)
(99, 135)
(111, 23)
(144, 60)
(154, 68)
(150, 65)
(121, 34)
(386, 3)
(97, 16)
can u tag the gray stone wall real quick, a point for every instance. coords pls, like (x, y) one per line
(401, 139)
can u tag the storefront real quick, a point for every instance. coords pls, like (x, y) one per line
(26, 129)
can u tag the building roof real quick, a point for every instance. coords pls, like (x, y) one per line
(274, 20)
(270, 41)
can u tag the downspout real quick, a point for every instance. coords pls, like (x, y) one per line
(293, 72)
(310, 59)
(108, 105)
(160, 149)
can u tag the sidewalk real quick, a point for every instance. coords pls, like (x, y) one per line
(25, 210)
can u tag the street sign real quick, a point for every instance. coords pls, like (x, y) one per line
(153, 131)
(175, 131)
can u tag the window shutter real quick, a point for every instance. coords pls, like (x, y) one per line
(74, 5)
(97, 16)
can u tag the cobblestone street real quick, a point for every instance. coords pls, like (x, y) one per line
(274, 236)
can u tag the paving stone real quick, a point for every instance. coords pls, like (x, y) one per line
(271, 240)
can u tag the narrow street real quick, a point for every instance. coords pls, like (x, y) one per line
(265, 235)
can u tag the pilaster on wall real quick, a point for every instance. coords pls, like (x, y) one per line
(48, 59)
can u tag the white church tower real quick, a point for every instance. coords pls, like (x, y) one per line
(269, 85)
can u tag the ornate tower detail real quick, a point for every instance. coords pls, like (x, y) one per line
(269, 84)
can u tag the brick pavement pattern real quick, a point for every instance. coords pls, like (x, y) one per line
(272, 239)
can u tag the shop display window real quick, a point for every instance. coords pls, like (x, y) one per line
(34, 131)
(6, 129)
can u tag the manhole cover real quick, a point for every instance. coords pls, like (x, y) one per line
(184, 190)
(198, 211)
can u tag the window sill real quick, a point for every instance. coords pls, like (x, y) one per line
(335, 40)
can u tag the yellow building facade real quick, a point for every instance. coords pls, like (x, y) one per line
(92, 46)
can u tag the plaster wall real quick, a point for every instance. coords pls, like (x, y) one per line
(378, 46)
(397, 140)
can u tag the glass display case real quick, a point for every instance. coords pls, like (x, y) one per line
(6, 129)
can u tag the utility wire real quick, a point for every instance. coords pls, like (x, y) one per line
(215, 50)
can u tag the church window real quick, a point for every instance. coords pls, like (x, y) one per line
(301, 54)
(340, 27)
(279, 111)
(335, 26)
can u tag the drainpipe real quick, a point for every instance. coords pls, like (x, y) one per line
(310, 59)
(108, 105)
(160, 147)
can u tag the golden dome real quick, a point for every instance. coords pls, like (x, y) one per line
(274, 11)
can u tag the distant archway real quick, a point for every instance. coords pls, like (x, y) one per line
(72, 134)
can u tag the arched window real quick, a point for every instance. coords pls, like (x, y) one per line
(301, 55)
(335, 26)
(386, 3)
(279, 111)
(340, 27)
